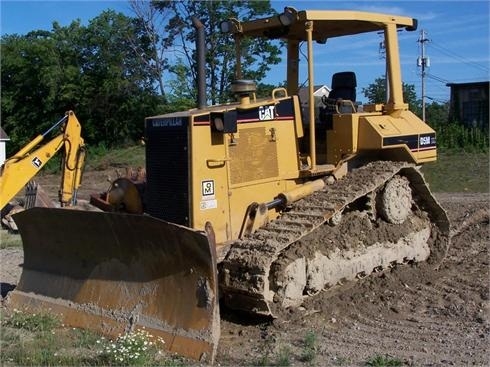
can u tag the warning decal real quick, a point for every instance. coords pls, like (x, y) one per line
(208, 204)
(207, 188)
(37, 162)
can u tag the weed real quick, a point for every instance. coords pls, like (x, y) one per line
(383, 361)
(173, 361)
(454, 135)
(35, 339)
(341, 361)
(8, 240)
(264, 360)
(284, 356)
(40, 340)
(133, 349)
(42, 322)
(309, 347)
(84, 338)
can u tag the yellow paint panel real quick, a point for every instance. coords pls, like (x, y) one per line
(342, 140)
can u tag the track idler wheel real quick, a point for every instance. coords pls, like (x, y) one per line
(394, 202)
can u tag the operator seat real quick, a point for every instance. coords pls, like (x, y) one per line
(344, 86)
(341, 98)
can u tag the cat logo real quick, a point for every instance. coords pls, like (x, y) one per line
(266, 113)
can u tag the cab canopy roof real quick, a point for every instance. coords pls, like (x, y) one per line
(292, 24)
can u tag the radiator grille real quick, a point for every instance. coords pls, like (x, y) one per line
(167, 163)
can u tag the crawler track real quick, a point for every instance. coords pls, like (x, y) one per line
(254, 275)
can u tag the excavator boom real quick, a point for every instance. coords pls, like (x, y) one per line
(19, 169)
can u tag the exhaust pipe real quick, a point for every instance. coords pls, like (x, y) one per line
(201, 63)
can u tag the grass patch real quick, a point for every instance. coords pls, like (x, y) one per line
(284, 356)
(100, 158)
(383, 361)
(458, 172)
(42, 322)
(9, 240)
(30, 339)
(309, 347)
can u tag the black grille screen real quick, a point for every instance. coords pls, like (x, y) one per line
(167, 169)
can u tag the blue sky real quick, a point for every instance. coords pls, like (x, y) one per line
(458, 33)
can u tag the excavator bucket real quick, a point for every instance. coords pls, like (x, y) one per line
(115, 273)
(36, 196)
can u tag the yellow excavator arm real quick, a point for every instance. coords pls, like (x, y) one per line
(19, 169)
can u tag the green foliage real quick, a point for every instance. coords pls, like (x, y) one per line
(284, 356)
(281, 358)
(110, 72)
(383, 361)
(34, 334)
(183, 96)
(134, 349)
(436, 113)
(8, 240)
(256, 57)
(264, 360)
(40, 340)
(376, 93)
(43, 322)
(309, 347)
(452, 135)
(93, 70)
(456, 136)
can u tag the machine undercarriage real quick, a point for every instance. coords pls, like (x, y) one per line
(334, 235)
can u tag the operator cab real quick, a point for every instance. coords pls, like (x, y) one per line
(335, 128)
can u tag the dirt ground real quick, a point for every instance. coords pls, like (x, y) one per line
(412, 313)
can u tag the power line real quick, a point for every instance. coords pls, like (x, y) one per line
(452, 54)
(439, 79)
(436, 100)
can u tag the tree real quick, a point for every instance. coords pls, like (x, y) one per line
(28, 67)
(93, 70)
(153, 23)
(257, 54)
(376, 93)
(118, 88)
(437, 114)
(182, 96)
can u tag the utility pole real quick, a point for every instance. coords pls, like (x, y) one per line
(382, 55)
(424, 62)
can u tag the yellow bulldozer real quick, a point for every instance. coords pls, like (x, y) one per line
(244, 203)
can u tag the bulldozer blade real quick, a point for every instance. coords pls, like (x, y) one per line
(114, 273)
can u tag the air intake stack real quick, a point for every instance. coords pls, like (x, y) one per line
(243, 89)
